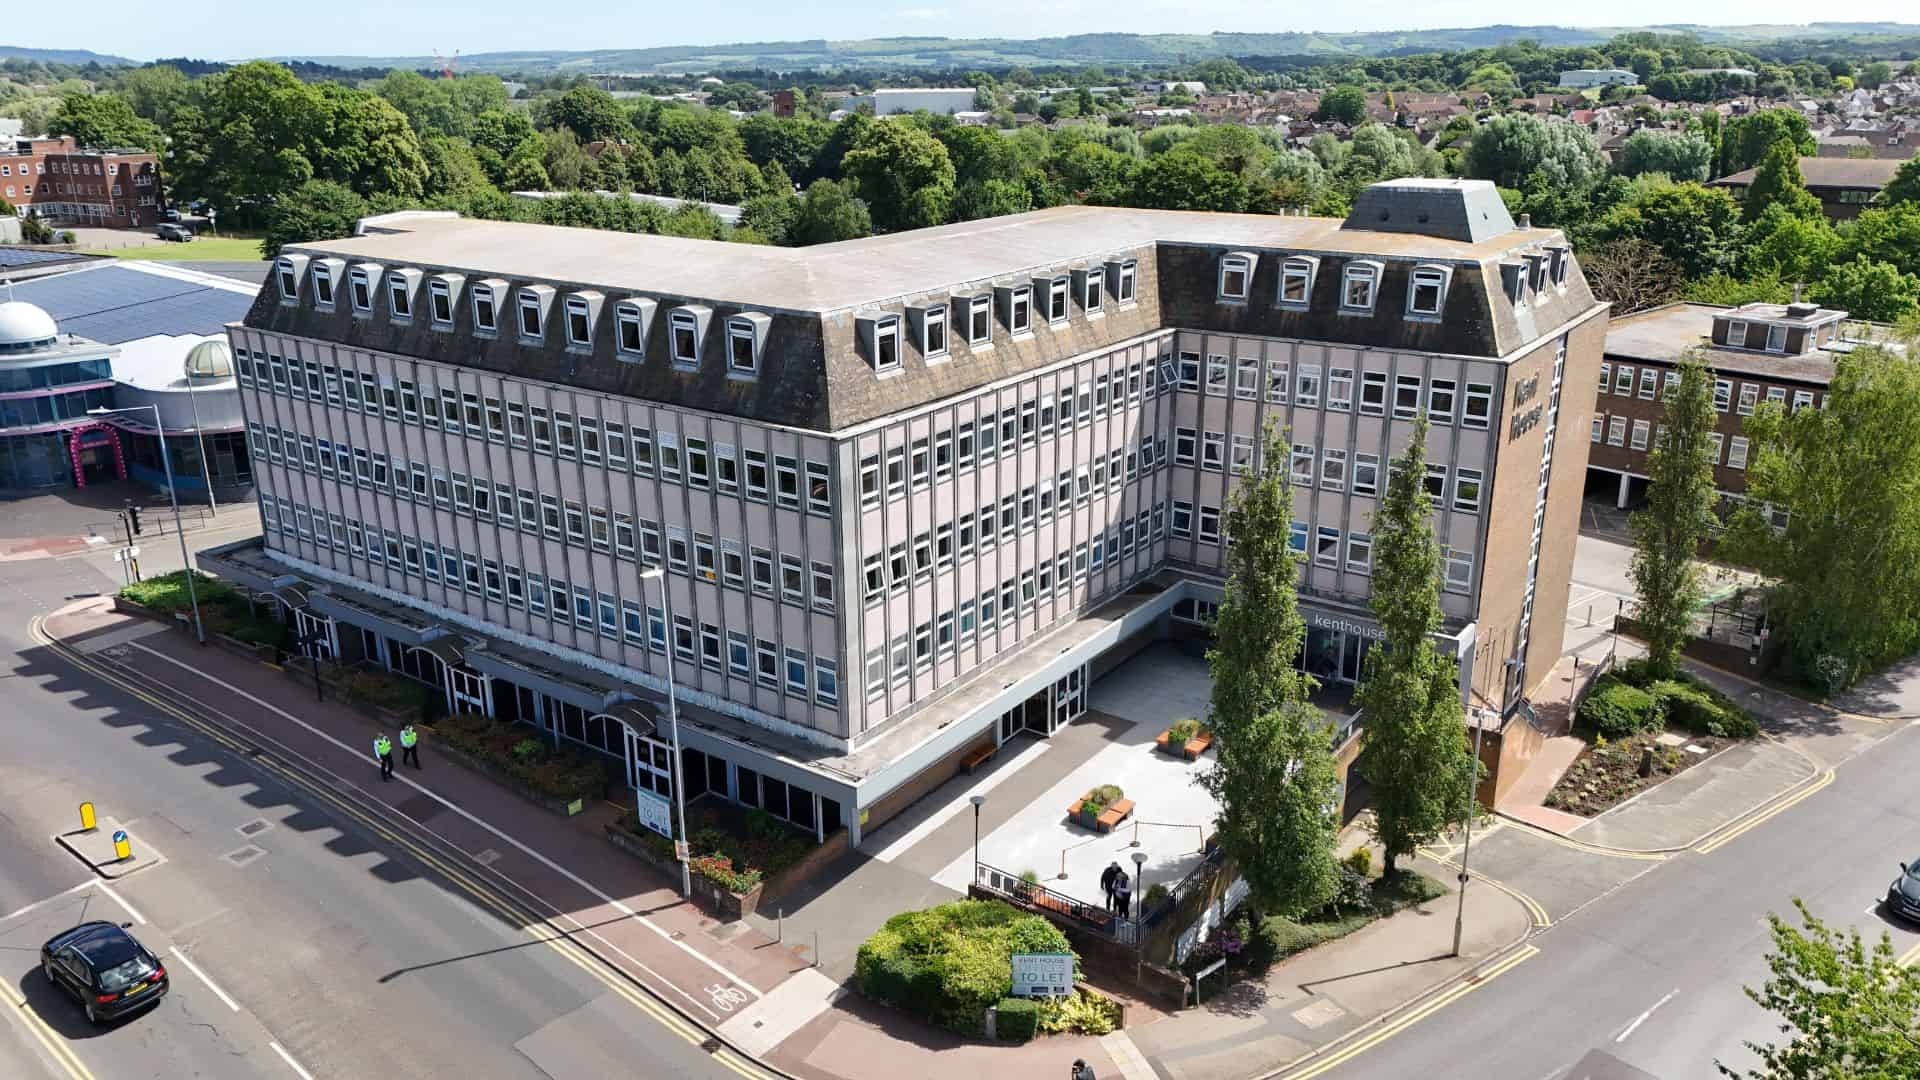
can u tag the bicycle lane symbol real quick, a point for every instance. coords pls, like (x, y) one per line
(725, 998)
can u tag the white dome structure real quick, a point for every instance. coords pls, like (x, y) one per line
(24, 325)
(209, 360)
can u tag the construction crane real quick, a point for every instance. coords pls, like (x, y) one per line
(447, 64)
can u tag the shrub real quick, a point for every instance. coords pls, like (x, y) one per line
(565, 774)
(1353, 892)
(1183, 730)
(168, 592)
(948, 963)
(1100, 798)
(1702, 709)
(1156, 894)
(1018, 1019)
(1079, 1012)
(1361, 861)
(1618, 709)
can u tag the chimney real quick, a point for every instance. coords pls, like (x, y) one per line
(1525, 221)
(1796, 292)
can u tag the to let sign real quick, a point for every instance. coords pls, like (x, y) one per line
(656, 812)
(1042, 974)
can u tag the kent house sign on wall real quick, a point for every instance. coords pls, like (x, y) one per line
(1523, 392)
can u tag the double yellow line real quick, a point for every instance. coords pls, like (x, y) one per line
(1531, 829)
(536, 926)
(1472, 982)
(1541, 920)
(1754, 820)
(49, 1039)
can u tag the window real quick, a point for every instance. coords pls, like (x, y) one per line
(1459, 571)
(979, 314)
(1737, 452)
(1326, 547)
(1357, 287)
(1366, 474)
(1180, 520)
(1440, 402)
(1339, 389)
(1091, 294)
(1246, 378)
(1057, 300)
(1296, 282)
(1306, 385)
(1278, 378)
(1478, 413)
(1623, 380)
(289, 276)
(1722, 394)
(440, 299)
(1406, 396)
(1802, 398)
(1606, 377)
(819, 489)
(1217, 376)
(1301, 463)
(1639, 439)
(1436, 482)
(1373, 393)
(884, 343)
(1209, 524)
(1714, 444)
(323, 286)
(1333, 469)
(1213, 447)
(685, 334)
(826, 682)
(786, 476)
(1428, 286)
(1185, 442)
(743, 347)
(1236, 274)
(1776, 338)
(1359, 553)
(1242, 455)
(579, 322)
(1599, 427)
(1466, 490)
(1123, 284)
(1749, 396)
(1617, 430)
(362, 289)
(399, 297)
(630, 327)
(1020, 309)
(531, 326)
(933, 332)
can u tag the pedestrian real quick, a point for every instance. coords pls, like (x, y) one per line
(1106, 882)
(1122, 894)
(409, 746)
(1082, 1070)
(383, 749)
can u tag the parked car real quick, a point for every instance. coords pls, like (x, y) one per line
(174, 232)
(103, 968)
(1903, 896)
(172, 214)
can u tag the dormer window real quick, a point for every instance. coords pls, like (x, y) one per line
(746, 333)
(399, 298)
(532, 315)
(631, 320)
(1776, 338)
(579, 323)
(1016, 306)
(322, 285)
(1296, 281)
(440, 301)
(361, 289)
(1236, 277)
(1057, 301)
(1427, 291)
(1536, 271)
(288, 270)
(881, 334)
(933, 332)
(1090, 287)
(1120, 280)
(685, 329)
(977, 315)
(1359, 284)
(484, 310)
(1561, 258)
(1737, 334)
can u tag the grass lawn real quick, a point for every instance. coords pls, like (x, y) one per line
(199, 249)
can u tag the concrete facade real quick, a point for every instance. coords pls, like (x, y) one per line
(912, 492)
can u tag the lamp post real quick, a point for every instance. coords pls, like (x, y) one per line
(186, 561)
(978, 801)
(681, 848)
(1139, 913)
(1466, 844)
(200, 437)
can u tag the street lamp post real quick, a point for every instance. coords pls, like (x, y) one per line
(200, 437)
(682, 848)
(186, 561)
(1139, 913)
(1466, 843)
(978, 801)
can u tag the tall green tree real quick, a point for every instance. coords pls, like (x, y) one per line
(1343, 104)
(1777, 182)
(1680, 155)
(316, 210)
(1416, 754)
(1904, 188)
(1514, 147)
(828, 212)
(1185, 179)
(1867, 289)
(1848, 558)
(103, 120)
(1273, 775)
(1747, 138)
(1851, 1010)
(904, 175)
(1678, 517)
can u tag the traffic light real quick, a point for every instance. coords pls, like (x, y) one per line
(133, 520)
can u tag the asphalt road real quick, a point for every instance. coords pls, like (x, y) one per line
(1646, 981)
(299, 940)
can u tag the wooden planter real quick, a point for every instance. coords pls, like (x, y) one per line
(1190, 749)
(1106, 819)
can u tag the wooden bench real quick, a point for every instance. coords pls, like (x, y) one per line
(1198, 744)
(1114, 814)
(978, 758)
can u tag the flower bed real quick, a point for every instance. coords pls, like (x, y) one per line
(1623, 717)
(224, 611)
(1608, 773)
(744, 861)
(513, 754)
(950, 963)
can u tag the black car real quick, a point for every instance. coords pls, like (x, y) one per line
(1903, 896)
(103, 968)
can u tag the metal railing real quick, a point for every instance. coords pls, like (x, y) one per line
(1097, 920)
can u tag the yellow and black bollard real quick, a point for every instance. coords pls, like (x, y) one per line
(87, 821)
(122, 847)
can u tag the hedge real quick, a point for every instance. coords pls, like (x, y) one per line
(514, 750)
(1617, 709)
(1632, 700)
(1017, 1020)
(950, 963)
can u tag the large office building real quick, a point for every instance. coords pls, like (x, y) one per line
(912, 493)
(69, 184)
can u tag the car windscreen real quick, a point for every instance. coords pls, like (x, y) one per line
(125, 974)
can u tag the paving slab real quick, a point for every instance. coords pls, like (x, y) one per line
(1686, 807)
(95, 848)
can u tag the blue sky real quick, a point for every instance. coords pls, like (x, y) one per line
(237, 29)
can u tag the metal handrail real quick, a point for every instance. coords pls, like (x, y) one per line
(1033, 894)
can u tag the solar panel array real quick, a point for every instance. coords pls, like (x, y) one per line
(115, 304)
(16, 258)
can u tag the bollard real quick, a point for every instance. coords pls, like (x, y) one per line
(87, 821)
(816, 948)
(122, 847)
(780, 925)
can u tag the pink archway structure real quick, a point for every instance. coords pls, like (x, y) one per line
(89, 435)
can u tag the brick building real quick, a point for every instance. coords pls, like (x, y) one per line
(1756, 352)
(911, 494)
(67, 184)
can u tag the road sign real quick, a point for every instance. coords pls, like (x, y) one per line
(656, 812)
(1047, 974)
(126, 553)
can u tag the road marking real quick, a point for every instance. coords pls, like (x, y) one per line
(947, 813)
(49, 1040)
(1907, 958)
(1582, 845)
(620, 981)
(211, 985)
(462, 811)
(1741, 828)
(291, 1064)
(37, 904)
(1469, 985)
(122, 901)
(1642, 1018)
(1541, 920)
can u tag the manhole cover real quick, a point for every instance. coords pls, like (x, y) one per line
(254, 828)
(241, 856)
(487, 857)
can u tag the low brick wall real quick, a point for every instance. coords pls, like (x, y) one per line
(813, 862)
(715, 898)
(248, 650)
